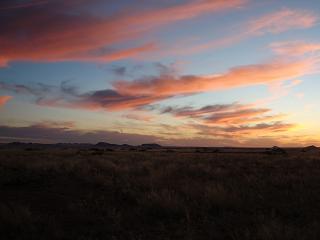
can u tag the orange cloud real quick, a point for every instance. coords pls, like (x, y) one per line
(262, 127)
(4, 100)
(236, 77)
(142, 92)
(224, 114)
(126, 53)
(246, 131)
(51, 33)
(238, 116)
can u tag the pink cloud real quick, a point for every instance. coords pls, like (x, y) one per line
(278, 90)
(295, 48)
(271, 23)
(127, 53)
(52, 34)
(142, 92)
(283, 20)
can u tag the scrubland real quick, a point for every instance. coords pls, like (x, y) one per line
(153, 195)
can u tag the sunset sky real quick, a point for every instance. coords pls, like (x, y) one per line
(174, 72)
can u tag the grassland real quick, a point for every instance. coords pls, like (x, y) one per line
(153, 195)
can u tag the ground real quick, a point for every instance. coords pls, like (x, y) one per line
(158, 194)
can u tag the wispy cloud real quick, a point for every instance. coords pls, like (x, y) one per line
(66, 96)
(283, 20)
(199, 112)
(236, 117)
(276, 70)
(278, 90)
(145, 91)
(271, 23)
(52, 32)
(227, 115)
(223, 120)
(295, 48)
(245, 131)
(46, 132)
(229, 121)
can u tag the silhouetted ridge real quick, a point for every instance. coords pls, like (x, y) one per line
(311, 149)
(276, 150)
(151, 145)
(105, 145)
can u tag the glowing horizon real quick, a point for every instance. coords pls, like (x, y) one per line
(185, 72)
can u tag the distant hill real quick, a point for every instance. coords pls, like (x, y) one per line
(23, 145)
(151, 145)
(311, 149)
(105, 145)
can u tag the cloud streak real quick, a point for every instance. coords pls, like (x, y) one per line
(229, 121)
(52, 133)
(223, 114)
(276, 70)
(224, 120)
(209, 109)
(244, 132)
(272, 23)
(53, 32)
(145, 91)
(295, 48)
(237, 116)
(281, 21)
(66, 96)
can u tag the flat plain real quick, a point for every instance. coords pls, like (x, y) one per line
(158, 194)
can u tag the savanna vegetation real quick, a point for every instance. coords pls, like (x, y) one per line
(153, 195)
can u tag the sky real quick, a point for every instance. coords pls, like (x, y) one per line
(241, 73)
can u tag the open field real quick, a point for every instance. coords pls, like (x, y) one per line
(96, 194)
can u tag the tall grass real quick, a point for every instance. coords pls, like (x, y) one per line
(67, 194)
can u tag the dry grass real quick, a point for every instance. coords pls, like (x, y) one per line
(67, 194)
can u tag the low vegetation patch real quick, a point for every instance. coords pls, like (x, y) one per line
(94, 194)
